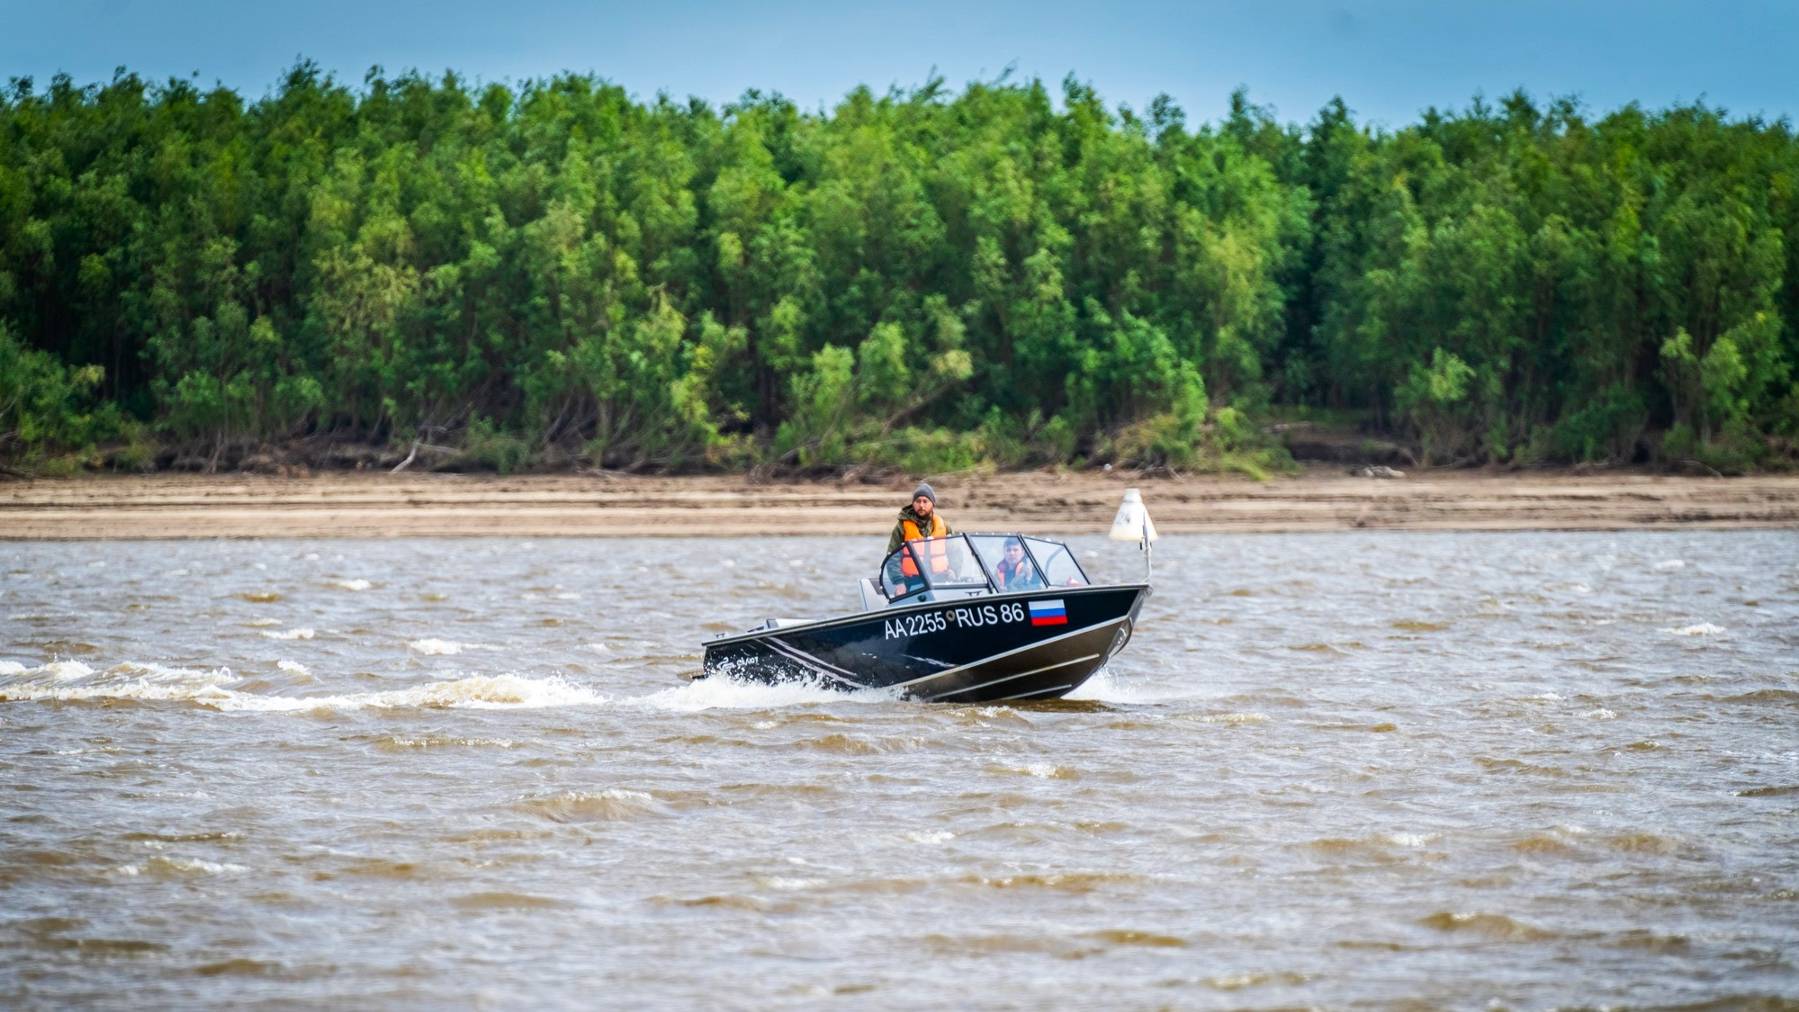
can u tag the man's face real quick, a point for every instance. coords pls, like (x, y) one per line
(922, 506)
(1014, 553)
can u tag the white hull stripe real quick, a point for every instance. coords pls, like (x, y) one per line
(1016, 650)
(812, 663)
(1021, 674)
(1040, 692)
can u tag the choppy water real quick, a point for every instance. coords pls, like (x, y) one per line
(1335, 769)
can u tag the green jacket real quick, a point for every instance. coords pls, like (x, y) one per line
(899, 527)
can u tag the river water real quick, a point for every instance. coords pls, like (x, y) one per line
(1341, 769)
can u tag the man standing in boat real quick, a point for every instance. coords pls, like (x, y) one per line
(921, 520)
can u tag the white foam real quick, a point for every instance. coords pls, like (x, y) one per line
(180, 866)
(61, 681)
(66, 670)
(1698, 629)
(352, 584)
(1668, 565)
(476, 692)
(1410, 839)
(1601, 714)
(290, 634)
(11, 668)
(1235, 719)
(444, 648)
(1105, 687)
(436, 742)
(262, 622)
(154, 683)
(931, 838)
(787, 884)
(726, 694)
(67, 681)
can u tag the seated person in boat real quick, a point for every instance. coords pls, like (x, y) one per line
(1014, 571)
(921, 520)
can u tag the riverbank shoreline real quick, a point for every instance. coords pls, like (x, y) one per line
(377, 505)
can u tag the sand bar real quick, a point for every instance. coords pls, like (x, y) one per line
(374, 505)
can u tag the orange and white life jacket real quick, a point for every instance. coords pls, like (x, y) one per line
(939, 549)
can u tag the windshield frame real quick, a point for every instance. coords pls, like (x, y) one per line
(898, 588)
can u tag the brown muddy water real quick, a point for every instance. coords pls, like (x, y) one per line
(1339, 770)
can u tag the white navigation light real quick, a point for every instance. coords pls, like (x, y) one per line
(1132, 522)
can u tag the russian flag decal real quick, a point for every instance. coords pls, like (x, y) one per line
(1048, 613)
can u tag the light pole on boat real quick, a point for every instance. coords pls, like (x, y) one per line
(1133, 524)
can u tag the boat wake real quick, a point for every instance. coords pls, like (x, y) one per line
(221, 689)
(729, 694)
(225, 691)
(1106, 686)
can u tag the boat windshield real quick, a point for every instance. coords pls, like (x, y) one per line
(1008, 562)
(999, 563)
(932, 564)
(1059, 567)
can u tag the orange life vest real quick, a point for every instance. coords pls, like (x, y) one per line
(939, 549)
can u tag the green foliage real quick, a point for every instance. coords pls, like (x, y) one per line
(47, 407)
(935, 451)
(916, 279)
(486, 448)
(1606, 428)
(1433, 399)
(137, 450)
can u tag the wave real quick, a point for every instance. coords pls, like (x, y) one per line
(291, 634)
(444, 648)
(932, 837)
(726, 694)
(476, 692)
(1107, 687)
(218, 689)
(72, 681)
(1498, 927)
(177, 867)
(1697, 629)
(611, 805)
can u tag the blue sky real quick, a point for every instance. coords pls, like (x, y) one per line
(1389, 60)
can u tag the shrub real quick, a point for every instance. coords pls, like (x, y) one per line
(47, 406)
(486, 447)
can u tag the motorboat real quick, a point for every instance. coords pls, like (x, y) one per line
(966, 618)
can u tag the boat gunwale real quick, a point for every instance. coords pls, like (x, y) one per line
(727, 638)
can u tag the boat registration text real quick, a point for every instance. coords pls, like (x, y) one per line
(971, 617)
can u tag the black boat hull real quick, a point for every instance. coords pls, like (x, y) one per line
(1037, 645)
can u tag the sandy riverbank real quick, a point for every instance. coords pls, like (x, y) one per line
(381, 505)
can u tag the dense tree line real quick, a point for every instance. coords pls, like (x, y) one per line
(557, 273)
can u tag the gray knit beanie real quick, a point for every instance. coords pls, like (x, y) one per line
(925, 489)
